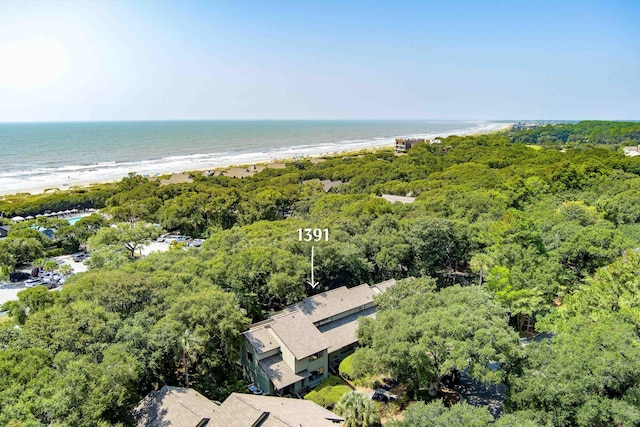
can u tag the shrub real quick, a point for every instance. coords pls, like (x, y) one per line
(328, 392)
(55, 252)
(346, 368)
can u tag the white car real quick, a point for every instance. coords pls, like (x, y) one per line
(33, 282)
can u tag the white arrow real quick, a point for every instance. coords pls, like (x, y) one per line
(313, 283)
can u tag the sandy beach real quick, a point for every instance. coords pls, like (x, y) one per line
(236, 170)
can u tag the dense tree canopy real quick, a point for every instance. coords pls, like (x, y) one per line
(503, 238)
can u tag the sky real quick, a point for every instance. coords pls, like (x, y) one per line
(219, 60)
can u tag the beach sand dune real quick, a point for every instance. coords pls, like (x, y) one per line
(176, 178)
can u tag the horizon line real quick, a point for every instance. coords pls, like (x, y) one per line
(314, 120)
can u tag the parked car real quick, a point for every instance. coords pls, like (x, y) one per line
(80, 256)
(197, 242)
(33, 282)
(50, 284)
(382, 395)
(19, 276)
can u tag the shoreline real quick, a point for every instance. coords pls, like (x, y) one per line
(258, 161)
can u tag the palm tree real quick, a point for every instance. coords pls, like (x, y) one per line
(358, 410)
(65, 269)
(49, 265)
(39, 263)
(481, 264)
(191, 346)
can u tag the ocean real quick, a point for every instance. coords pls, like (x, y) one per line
(58, 155)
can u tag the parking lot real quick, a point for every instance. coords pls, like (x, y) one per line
(9, 291)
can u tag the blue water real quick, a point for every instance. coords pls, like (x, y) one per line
(40, 155)
(73, 220)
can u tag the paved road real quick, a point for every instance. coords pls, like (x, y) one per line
(9, 291)
(489, 396)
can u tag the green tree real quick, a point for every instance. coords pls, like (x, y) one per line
(217, 322)
(420, 334)
(88, 226)
(481, 264)
(129, 236)
(7, 263)
(191, 347)
(437, 244)
(435, 414)
(358, 410)
(65, 237)
(612, 289)
(65, 269)
(587, 375)
(22, 250)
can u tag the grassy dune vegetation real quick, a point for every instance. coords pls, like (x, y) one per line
(504, 240)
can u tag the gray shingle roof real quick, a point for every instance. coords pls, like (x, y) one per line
(342, 333)
(298, 334)
(334, 302)
(279, 372)
(261, 339)
(244, 410)
(173, 407)
(382, 287)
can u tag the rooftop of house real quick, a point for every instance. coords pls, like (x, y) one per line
(245, 410)
(331, 303)
(262, 340)
(342, 332)
(300, 326)
(173, 406)
(382, 287)
(402, 199)
(279, 372)
(183, 407)
(327, 184)
(298, 334)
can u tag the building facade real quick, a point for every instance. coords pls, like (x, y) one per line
(293, 350)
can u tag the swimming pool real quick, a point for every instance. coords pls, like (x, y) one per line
(74, 219)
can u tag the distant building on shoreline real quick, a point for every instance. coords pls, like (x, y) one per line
(524, 126)
(404, 144)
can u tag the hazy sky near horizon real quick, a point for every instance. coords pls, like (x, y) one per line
(439, 60)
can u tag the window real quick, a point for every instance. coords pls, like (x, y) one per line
(318, 373)
(250, 356)
(315, 356)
